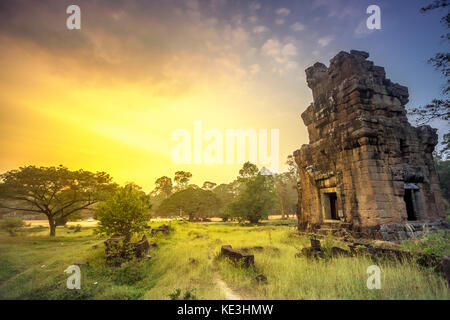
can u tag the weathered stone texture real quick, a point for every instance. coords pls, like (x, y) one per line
(363, 154)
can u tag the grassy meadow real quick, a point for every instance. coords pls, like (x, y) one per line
(32, 267)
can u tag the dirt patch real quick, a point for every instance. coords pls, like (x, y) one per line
(229, 293)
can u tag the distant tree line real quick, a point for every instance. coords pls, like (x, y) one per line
(252, 196)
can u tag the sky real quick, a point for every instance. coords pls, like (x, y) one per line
(110, 96)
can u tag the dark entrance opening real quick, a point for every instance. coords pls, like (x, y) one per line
(333, 206)
(409, 201)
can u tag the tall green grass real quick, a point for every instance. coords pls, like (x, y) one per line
(32, 267)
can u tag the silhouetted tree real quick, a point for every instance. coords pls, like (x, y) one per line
(56, 192)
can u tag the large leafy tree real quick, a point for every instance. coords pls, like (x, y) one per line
(125, 213)
(57, 192)
(255, 201)
(285, 188)
(192, 201)
(248, 170)
(163, 186)
(439, 108)
(181, 180)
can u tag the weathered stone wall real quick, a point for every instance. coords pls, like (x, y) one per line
(363, 149)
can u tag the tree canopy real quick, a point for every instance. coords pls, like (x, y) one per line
(125, 213)
(255, 201)
(181, 180)
(56, 192)
(163, 186)
(439, 108)
(192, 201)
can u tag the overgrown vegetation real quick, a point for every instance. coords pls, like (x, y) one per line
(124, 214)
(12, 225)
(32, 266)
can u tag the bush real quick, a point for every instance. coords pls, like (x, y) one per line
(12, 225)
(188, 295)
(125, 213)
(435, 245)
(129, 273)
(256, 200)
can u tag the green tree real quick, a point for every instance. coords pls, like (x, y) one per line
(292, 167)
(249, 170)
(12, 225)
(443, 171)
(163, 186)
(255, 201)
(439, 108)
(208, 185)
(125, 213)
(192, 201)
(56, 192)
(285, 188)
(182, 180)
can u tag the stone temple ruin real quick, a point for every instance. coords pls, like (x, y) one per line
(366, 170)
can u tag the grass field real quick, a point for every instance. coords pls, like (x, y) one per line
(32, 267)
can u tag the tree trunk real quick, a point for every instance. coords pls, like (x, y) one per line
(52, 225)
(283, 213)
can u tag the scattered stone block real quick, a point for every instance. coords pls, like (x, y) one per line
(312, 253)
(315, 244)
(164, 229)
(261, 278)
(247, 259)
(141, 247)
(81, 263)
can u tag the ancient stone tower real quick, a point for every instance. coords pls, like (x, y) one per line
(365, 169)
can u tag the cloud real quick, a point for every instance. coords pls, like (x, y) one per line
(324, 41)
(298, 26)
(281, 54)
(255, 6)
(361, 30)
(284, 12)
(337, 8)
(271, 48)
(281, 14)
(255, 69)
(289, 50)
(253, 19)
(260, 29)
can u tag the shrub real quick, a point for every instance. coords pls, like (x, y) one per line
(129, 273)
(256, 200)
(125, 213)
(188, 295)
(12, 225)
